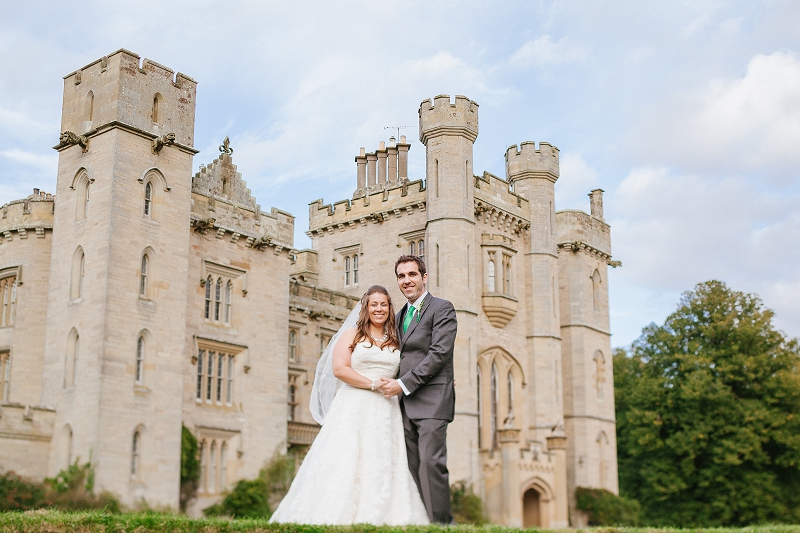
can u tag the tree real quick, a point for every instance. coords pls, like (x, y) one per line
(190, 467)
(708, 414)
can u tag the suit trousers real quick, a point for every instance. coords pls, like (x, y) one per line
(426, 446)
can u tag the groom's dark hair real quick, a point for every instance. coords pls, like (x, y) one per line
(408, 259)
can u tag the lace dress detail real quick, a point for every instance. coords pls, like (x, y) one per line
(357, 469)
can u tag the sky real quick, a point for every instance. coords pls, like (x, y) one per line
(687, 113)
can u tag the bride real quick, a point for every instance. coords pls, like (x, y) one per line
(357, 469)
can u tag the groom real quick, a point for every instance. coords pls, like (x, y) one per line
(426, 327)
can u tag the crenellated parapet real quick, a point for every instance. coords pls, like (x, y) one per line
(441, 117)
(581, 232)
(26, 217)
(528, 162)
(377, 208)
(318, 303)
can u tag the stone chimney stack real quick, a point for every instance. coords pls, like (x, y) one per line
(371, 160)
(392, 151)
(361, 173)
(596, 200)
(381, 153)
(402, 158)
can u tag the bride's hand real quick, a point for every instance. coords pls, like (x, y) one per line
(380, 383)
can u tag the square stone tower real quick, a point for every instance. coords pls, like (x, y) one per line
(116, 313)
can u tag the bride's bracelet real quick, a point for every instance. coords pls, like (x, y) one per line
(372, 387)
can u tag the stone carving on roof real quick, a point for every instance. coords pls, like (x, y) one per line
(221, 180)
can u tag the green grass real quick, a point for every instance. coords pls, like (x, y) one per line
(90, 522)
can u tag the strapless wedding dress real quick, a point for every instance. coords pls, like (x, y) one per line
(357, 469)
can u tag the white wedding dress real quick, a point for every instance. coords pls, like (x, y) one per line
(357, 470)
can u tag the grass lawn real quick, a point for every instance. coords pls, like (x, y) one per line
(90, 522)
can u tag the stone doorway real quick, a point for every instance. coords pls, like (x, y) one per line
(531, 509)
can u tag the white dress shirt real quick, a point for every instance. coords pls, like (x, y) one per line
(416, 310)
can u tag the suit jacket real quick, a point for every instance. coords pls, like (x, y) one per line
(426, 360)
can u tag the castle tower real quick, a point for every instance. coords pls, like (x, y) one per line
(116, 315)
(533, 173)
(448, 131)
(584, 254)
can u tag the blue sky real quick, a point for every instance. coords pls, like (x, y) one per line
(686, 113)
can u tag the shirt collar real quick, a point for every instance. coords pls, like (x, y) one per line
(415, 302)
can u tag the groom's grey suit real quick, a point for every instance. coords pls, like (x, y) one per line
(426, 371)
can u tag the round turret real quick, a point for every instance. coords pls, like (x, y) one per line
(528, 162)
(440, 117)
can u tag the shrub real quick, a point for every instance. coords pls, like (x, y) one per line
(605, 508)
(467, 507)
(20, 494)
(190, 467)
(73, 489)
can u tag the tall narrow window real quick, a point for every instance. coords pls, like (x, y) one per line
(220, 376)
(436, 177)
(201, 451)
(291, 402)
(200, 360)
(148, 199)
(210, 376)
(223, 466)
(229, 389)
(494, 401)
(421, 249)
(228, 296)
(507, 275)
(143, 276)
(480, 410)
(89, 106)
(412, 249)
(208, 297)
(347, 271)
(78, 270)
(510, 396)
(212, 467)
(71, 358)
(600, 374)
(596, 281)
(355, 269)
(8, 292)
(5, 375)
(139, 360)
(135, 454)
(491, 280)
(86, 201)
(292, 345)
(82, 195)
(156, 105)
(217, 298)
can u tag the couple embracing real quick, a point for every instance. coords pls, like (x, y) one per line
(384, 393)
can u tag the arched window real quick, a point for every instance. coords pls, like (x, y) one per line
(600, 374)
(139, 370)
(5, 375)
(229, 390)
(135, 453)
(491, 280)
(78, 269)
(143, 276)
(412, 249)
(347, 271)
(71, 358)
(510, 383)
(217, 298)
(355, 269)
(223, 466)
(507, 275)
(292, 345)
(480, 410)
(208, 297)
(212, 468)
(436, 177)
(220, 375)
(494, 401)
(421, 249)
(148, 199)
(89, 106)
(156, 105)
(596, 281)
(8, 292)
(228, 296)
(200, 367)
(81, 185)
(466, 170)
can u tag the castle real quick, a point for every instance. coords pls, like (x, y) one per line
(140, 298)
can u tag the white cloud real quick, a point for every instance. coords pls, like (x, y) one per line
(45, 163)
(750, 124)
(543, 51)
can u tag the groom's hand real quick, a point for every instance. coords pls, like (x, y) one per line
(392, 388)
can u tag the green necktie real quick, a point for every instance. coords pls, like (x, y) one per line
(408, 317)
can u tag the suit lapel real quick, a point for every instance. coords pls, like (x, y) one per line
(399, 324)
(416, 319)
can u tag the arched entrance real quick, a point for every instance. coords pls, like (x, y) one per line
(531, 509)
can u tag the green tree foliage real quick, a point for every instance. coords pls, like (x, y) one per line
(190, 467)
(467, 507)
(604, 508)
(20, 494)
(708, 414)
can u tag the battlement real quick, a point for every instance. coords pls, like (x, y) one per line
(441, 117)
(33, 214)
(121, 88)
(528, 162)
(576, 230)
(495, 190)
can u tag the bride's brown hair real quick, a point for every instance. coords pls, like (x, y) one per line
(362, 326)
